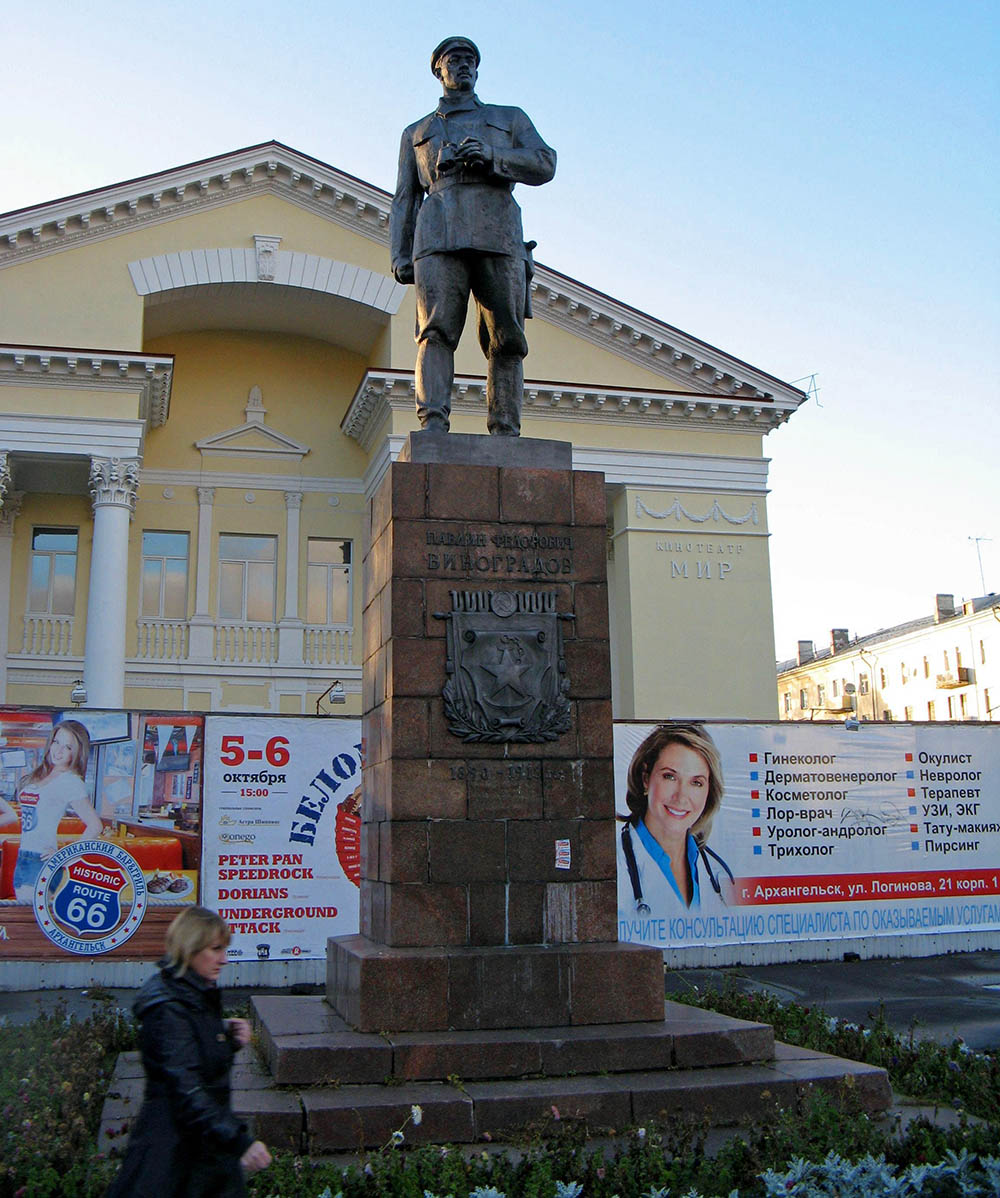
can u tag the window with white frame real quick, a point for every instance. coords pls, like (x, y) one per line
(328, 581)
(164, 582)
(862, 684)
(247, 578)
(52, 583)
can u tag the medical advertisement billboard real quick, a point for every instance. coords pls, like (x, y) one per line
(760, 833)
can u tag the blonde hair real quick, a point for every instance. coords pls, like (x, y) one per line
(692, 736)
(81, 752)
(194, 929)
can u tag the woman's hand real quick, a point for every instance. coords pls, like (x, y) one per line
(256, 1156)
(239, 1029)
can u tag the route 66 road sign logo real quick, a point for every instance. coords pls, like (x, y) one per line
(90, 897)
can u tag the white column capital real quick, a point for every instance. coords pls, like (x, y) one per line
(293, 500)
(10, 511)
(206, 496)
(114, 482)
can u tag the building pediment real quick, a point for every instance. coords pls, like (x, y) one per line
(683, 361)
(253, 438)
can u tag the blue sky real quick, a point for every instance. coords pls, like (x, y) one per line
(811, 187)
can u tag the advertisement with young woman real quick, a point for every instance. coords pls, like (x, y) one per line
(85, 796)
(758, 833)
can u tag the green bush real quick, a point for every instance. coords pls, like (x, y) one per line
(54, 1073)
(952, 1074)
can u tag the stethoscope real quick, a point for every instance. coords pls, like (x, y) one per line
(642, 907)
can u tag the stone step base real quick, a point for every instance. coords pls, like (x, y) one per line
(379, 988)
(305, 1043)
(349, 1118)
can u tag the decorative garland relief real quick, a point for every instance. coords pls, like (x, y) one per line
(715, 513)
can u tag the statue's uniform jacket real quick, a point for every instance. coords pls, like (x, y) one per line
(461, 210)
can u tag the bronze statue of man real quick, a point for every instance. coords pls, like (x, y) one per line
(456, 229)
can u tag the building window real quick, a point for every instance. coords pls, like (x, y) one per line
(834, 688)
(902, 673)
(328, 581)
(163, 589)
(951, 708)
(52, 588)
(821, 695)
(803, 700)
(982, 653)
(931, 712)
(247, 577)
(788, 702)
(908, 713)
(958, 659)
(947, 664)
(927, 668)
(881, 678)
(963, 706)
(862, 684)
(986, 703)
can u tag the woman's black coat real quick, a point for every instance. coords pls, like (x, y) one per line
(186, 1142)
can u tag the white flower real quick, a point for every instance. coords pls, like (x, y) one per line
(417, 1115)
(397, 1137)
(641, 1133)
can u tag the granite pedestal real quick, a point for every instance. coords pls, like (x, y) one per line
(489, 893)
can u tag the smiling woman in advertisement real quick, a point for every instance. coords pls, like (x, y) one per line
(48, 793)
(674, 789)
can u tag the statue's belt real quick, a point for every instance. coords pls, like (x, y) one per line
(468, 177)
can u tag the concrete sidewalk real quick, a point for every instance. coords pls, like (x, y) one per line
(942, 998)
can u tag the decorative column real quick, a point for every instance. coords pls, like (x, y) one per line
(202, 626)
(10, 507)
(113, 485)
(290, 625)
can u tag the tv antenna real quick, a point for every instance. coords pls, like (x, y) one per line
(979, 555)
(812, 391)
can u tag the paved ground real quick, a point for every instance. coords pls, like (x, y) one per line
(941, 997)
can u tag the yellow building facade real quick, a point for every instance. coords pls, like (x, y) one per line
(204, 373)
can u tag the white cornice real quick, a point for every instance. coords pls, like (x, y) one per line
(270, 167)
(277, 169)
(244, 480)
(94, 370)
(653, 344)
(382, 391)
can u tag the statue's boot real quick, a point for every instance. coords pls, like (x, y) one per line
(504, 392)
(435, 373)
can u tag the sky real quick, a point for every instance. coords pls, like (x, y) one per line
(811, 187)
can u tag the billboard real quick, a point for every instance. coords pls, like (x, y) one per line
(127, 784)
(282, 837)
(817, 832)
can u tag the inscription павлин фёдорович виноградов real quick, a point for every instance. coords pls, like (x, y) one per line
(511, 554)
(506, 671)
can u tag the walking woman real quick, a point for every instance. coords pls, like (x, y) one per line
(186, 1141)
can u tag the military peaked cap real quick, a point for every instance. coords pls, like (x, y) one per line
(448, 44)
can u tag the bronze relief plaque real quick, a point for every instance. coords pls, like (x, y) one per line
(506, 668)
